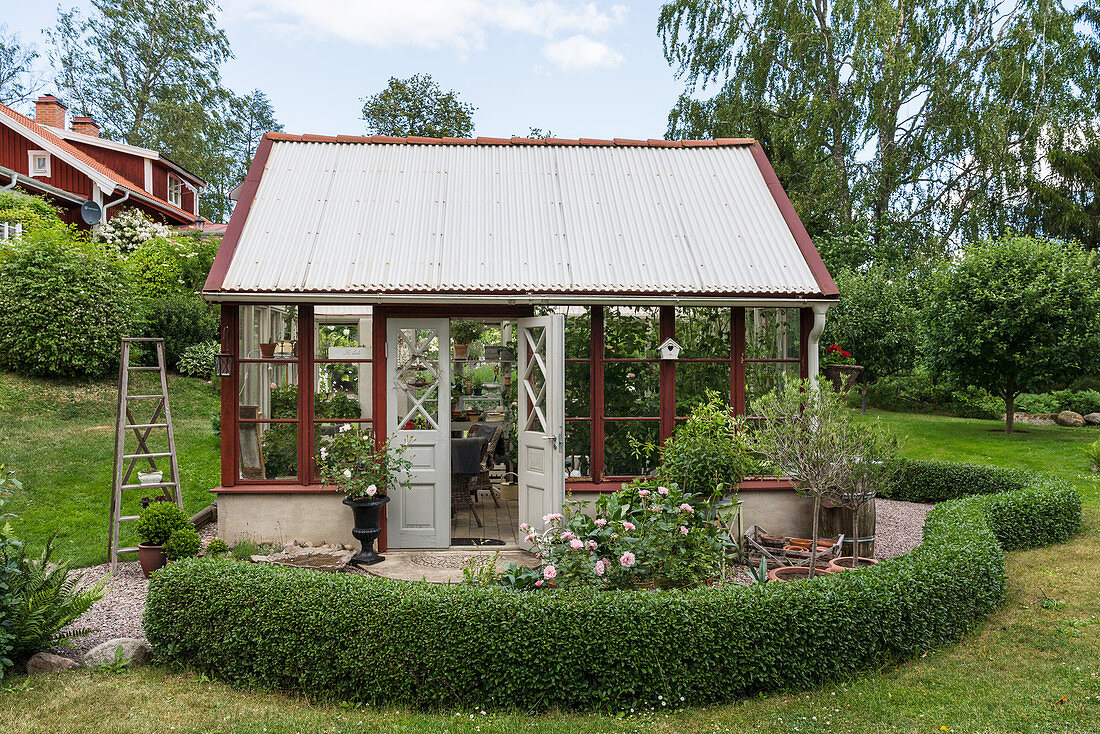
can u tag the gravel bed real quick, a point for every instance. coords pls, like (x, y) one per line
(118, 614)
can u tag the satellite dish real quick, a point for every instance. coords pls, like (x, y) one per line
(91, 212)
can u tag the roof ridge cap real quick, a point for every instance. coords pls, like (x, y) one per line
(509, 141)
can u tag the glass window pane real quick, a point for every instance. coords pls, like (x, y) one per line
(631, 389)
(343, 390)
(693, 379)
(268, 331)
(772, 333)
(324, 432)
(578, 393)
(578, 449)
(268, 390)
(762, 378)
(417, 377)
(268, 450)
(344, 340)
(620, 459)
(704, 333)
(631, 332)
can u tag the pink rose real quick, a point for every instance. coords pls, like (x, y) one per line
(629, 526)
(590, 544)
(538, 583)
(576, 544)
(662, 490)
(643, 493)
(686, 508)
(599, 568)
(549, 573)
(626, 560)
(600, 522)
(683, 530)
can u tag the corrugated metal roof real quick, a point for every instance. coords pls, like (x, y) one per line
(382, 218)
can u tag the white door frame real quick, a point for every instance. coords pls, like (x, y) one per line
(419, 512)
(540, 428)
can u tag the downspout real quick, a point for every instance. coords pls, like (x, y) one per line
(109, 204)
(813, 358)
(10, 186)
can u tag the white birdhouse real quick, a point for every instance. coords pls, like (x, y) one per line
(669, 349)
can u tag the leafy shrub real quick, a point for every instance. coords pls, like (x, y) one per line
(198, 359)
(130, 228)
(182, 543)
(707, 450)
(936, 481)
(155, 270)
(217, 547)
(1092, 451)
(1035, 403)
(1079, 401)
(159, 520)
(33, 212)
(182, 320)
(1088, 382)
(976, 402)
(586, 648)
(64, 306)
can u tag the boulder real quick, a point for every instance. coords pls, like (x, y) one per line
(1092, 419)
(1070, 419)
(47, 662)
(319, 557)
(134, 651)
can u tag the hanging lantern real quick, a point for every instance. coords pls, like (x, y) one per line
(223, 364)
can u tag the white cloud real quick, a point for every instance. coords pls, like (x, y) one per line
(580, 52)
(460, 24)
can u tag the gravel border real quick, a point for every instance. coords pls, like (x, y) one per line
(899, 527)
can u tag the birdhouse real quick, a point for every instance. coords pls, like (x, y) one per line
(669, 349)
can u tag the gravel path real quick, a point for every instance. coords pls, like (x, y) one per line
(118, 613)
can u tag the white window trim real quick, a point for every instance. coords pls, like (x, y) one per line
(179, 189)
(31, 170)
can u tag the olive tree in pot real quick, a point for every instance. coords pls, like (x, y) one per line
(809, 435)
(465, 333)
(156, 523)
(366, 473)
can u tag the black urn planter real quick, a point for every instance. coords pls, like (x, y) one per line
(368, 526)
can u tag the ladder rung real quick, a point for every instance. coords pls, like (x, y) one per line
(148, 486)
(146, 425)
(146, 456)
(128, 550)
(129, 518)
(143, 339)
(144, 397)
(144, 369)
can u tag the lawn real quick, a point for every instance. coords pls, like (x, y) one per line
(1034, 667)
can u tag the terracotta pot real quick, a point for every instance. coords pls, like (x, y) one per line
(795, 573)
(774, 541)
(843, 376)
(267, 350)
(461, 351)
(844, 563)
(151, 558)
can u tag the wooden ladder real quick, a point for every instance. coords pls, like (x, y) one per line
(126, 463)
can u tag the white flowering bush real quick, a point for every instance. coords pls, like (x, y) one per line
(130, 228)
(360, 468)
(646, 534)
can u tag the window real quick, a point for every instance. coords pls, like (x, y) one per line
(175, 190)
(38, 163)
(267, 386)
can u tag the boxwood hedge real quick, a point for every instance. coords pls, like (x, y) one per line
(936, 481)
(350, 637)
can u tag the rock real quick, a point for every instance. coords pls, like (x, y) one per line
(349, 547)
(318, 556)
(134, 651)
(47, 662)
(1092, 419)
(1070, 419)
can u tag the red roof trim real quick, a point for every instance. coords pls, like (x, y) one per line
(419, 140)
(232, 236)
(801, 236)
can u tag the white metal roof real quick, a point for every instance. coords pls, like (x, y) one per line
(389, 218)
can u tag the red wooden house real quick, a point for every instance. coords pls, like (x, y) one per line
(73, 165)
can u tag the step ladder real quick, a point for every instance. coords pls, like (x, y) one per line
(125, 464)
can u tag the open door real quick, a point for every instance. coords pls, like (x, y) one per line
(541, 417)
(419, 415)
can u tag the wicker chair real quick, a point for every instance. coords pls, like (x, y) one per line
(463, 486)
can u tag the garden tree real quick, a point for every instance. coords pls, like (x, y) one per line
(243, 120)
(1013, 315)
(877, 320)
(808, 434)
(418, 106)
(17, 80)
(916, 116)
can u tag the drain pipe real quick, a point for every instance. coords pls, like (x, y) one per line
(10, 186)
(813, 358)
(109, 204)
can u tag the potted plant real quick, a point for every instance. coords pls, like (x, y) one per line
(182, 543)
(365, 472)
(465, 333)
(841, 368)
(150, 476)
(155, 524)
(287, 348)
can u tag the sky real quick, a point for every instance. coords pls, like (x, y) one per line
(579, 69)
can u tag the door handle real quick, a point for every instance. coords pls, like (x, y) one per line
(552, 439)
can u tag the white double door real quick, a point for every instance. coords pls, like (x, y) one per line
(418, 416)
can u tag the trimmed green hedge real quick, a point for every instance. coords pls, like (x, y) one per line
(937, 481)
(350, 637)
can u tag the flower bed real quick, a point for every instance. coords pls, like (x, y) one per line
(354, 638)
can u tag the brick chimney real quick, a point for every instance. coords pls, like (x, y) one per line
(49, 110)
(85, 125)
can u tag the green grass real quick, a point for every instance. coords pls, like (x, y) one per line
(59, 438)
(1033, 667)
